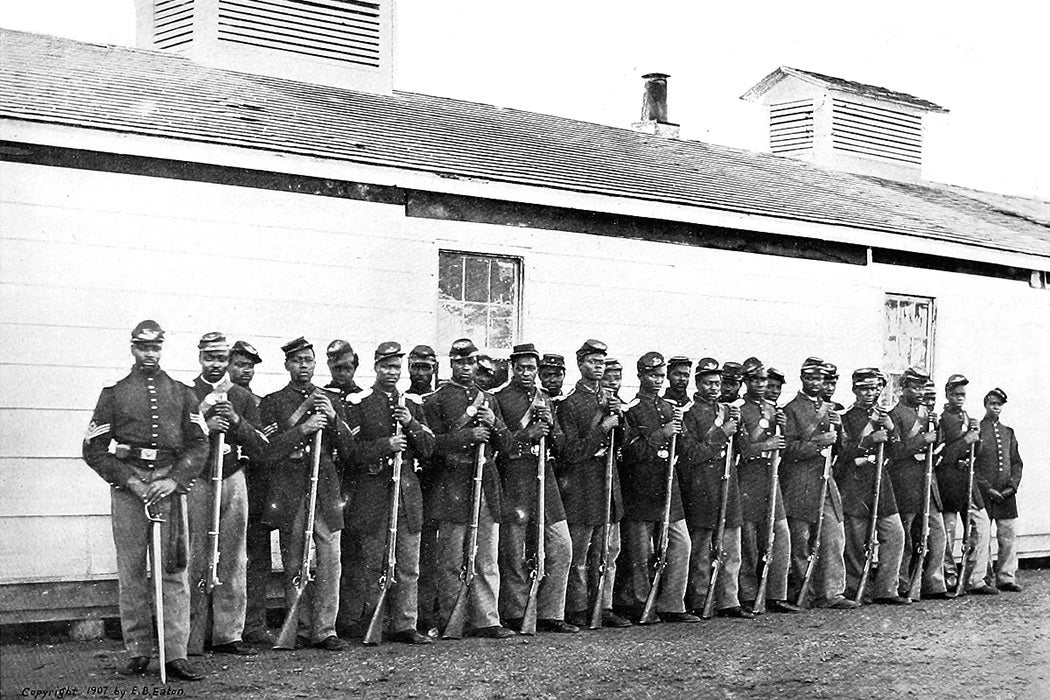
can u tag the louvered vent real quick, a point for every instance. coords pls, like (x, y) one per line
(172, 23)
(339, 30)
(791, 126)
(876, 131)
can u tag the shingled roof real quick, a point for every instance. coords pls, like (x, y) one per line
(118, 89)
(873, 91)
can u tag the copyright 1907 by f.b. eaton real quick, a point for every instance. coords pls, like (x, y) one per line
(101, 691)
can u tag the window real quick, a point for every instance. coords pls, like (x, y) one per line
(479, 297)
(909, 339)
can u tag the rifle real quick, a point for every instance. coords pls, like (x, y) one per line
(374, 634)
(539, 570)
(603, 553)
(771, 524)
(286, 637)
(717, 550)
(158, 589)
(960, 586)
(922, 547)
(649, 610)
(873, 535)
(210, 577)
(814, 550)
(458, 617)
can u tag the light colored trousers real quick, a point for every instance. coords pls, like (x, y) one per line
(1006, 532)
(752, 545)
(980, 536)
(131, 537)
(514, 572)
(829, 571)
(889, 534)
(728, 585)
(402, 599)
(483, 594)
(320, 601)
(586, 552)
(639, 545)
(933, 566)
(228, 601)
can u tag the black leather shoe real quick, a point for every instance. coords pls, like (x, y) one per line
(892, 600)
(611, 619)
(841, 603)
(677, 617)
(735, 611)
(984, 589)
(410, 637)
(137, 666)
(181, 669)
(579, 618)
(782, 606)
(330, 643)
(262, 638)
(492, 632)
(556, 626)
(234, 648)
(302, 642)
(514, 623)
(940, 595)
(748, 605)
(1009, 587)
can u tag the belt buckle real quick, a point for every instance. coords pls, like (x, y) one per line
(535, 450)
(602, 452)
(148, 454)
(663, 453)
(297, 453)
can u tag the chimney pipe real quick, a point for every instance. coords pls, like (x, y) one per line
(654, 108)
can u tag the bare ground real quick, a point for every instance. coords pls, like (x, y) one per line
(992, 647)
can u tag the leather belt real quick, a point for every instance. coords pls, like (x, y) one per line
(145, 454)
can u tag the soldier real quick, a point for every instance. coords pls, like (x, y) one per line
(342, 364)
(147, 439)
(774, 385)
(677, 393)
(831, 382)
(464, 417)
(422, 365)
(612, 379)
(732, 377)
(810, 434)
(709, 429)
(231, 411)
(243, 359)
(999, 475)
(588, 416)
(422, 369)
(486, 376)
(957, 433)
(864, 428)
(552, 375)
(529, 415)
(291, 416)
(906, 467)
(651, 422)
(373, 416)
(755, 441)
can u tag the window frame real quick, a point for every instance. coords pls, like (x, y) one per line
(516, 307)
(890, 397)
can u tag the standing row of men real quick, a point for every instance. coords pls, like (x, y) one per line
(641, 502)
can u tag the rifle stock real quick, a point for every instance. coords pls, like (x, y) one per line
(649, 610)
(814, 550)
(458, 617)
(922, 546)
(286, 637)
(873, 533)
(603, 554)
(964, 551)
(717, 549)
(528, 620)
(771, 523)
(156, 567)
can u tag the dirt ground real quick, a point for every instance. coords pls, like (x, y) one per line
(990, 647)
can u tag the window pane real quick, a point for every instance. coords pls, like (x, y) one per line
(450, 322)
(501, 327)
(475, 323)
(504, 282)
(450, 276)
(477, 288)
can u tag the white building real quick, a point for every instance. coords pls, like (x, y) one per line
(181, 185)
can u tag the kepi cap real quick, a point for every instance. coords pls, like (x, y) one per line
(591, 347)
(525, 350)
(462, 349)
(650, 361)
(954, 381)
(867, 376)
(294, 346)
(914, 375)
(388, 349)
(214, 341)
(679, 360)
(996, 392)
(147, 331)
(552, 360)
(733, 370)
(422, 353)
(337, 348)
(246, 349)
(813, 365)
(613, 365)
(753, 368)
(831, 371)
(707, 365)
(485, 362)
(776, 374)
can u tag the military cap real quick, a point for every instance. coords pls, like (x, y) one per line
(707, 365)
(246, 349)
(753, 367)
(462, 349)
(914, 375)
(776, 374)
(422, 353)
(524, 350)
(813, 365)
(954, 381)
(613, 365)
(147, 331)
(338, 348)
(485, 362)
(733, 370)
(388, 349)
(294, 346)
(996, 392)
(213, 341)
(867, 376)
(679, 360)
(591, 347)
(831, 371)
(650, 361)
(552, 360)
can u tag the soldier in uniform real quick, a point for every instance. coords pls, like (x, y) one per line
(906, 466)
(756, 439)
(708, 432)
(373, 416)
(342, 364)
(422, 365)
(864, 428)
(229, 410)
(677, 392)
(774, 385)
(612, 379)
(422, 369)
(831, 382)
(588, 416)
(552, 375)
(956, 433)
(651, 423)
(810, 434)
(486, 377)
(149, 442)
(732, 379)
(998, 474)
(465, 418)
(529, 415)
(243, 359)
(290, 418)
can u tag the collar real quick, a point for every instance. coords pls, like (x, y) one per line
(213, 385)
(948, 408)
(582, 384)
(464, 387)
(815, 400)
(305, 391)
